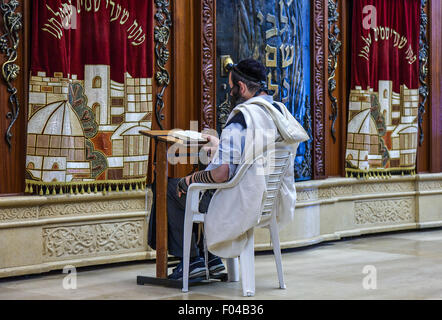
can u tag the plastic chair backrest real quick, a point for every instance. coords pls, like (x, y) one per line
(279, 162)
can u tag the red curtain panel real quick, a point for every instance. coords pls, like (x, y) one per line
(383, 108)
(90, 95)
(118, 33)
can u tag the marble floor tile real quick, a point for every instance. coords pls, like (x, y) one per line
(405, 265)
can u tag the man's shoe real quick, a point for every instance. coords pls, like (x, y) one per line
(197, 269)
(215, 265)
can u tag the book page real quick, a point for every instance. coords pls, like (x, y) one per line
(189, 135)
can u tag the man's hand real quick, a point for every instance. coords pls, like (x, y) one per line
(183, 185)
(211, 146)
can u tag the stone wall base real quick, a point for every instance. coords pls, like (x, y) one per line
(40, 234)
(335, 208)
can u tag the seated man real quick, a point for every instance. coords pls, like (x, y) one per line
(247, 80)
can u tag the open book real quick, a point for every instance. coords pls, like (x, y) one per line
(189, 136)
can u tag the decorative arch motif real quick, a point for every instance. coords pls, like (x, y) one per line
(96, 110)
(97, 83)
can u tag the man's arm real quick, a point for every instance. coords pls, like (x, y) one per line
(217, 175)
(228, 150)
(221, 174)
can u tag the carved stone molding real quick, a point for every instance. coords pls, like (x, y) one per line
(307, 195)
(91, 208)
(331, 192)
(101, 238)
(430, 185)
(17, 214)
(385, 211)
(356, 190)
(368, 188)
(13, 214)
(208, 53)
(319, 88)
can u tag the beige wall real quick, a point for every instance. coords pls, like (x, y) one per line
(342, 207)
(39, 234)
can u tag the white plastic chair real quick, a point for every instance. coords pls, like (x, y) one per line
(282, 158)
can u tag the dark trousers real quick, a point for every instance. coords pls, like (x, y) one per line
(176, 208)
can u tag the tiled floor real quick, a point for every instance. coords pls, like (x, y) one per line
(406, 265)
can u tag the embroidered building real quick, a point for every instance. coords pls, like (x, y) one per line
(363, 141)
(399, 116)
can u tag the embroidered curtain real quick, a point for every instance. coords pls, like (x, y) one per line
(90, 94)
(382, 131)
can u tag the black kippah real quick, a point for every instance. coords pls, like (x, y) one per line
(251, 70)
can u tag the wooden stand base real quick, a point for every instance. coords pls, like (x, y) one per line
(142, 280)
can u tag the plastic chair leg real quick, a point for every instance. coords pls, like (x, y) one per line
(233, 269)
(188, 224)
(247, 262)
(274, 233)
(206, 258)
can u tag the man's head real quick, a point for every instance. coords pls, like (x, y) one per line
(246, 79)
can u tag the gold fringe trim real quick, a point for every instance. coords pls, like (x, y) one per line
(82, 187)
(378, 173)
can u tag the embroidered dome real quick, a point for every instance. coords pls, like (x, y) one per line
(363, 123)
(56, 119)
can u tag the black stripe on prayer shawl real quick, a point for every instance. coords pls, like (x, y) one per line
(239, 118)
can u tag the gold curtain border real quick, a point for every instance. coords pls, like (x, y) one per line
(82, 187)
(383, 173)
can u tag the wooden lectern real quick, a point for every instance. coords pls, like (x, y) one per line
(161, 140)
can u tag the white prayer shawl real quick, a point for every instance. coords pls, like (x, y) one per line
(233, 212)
